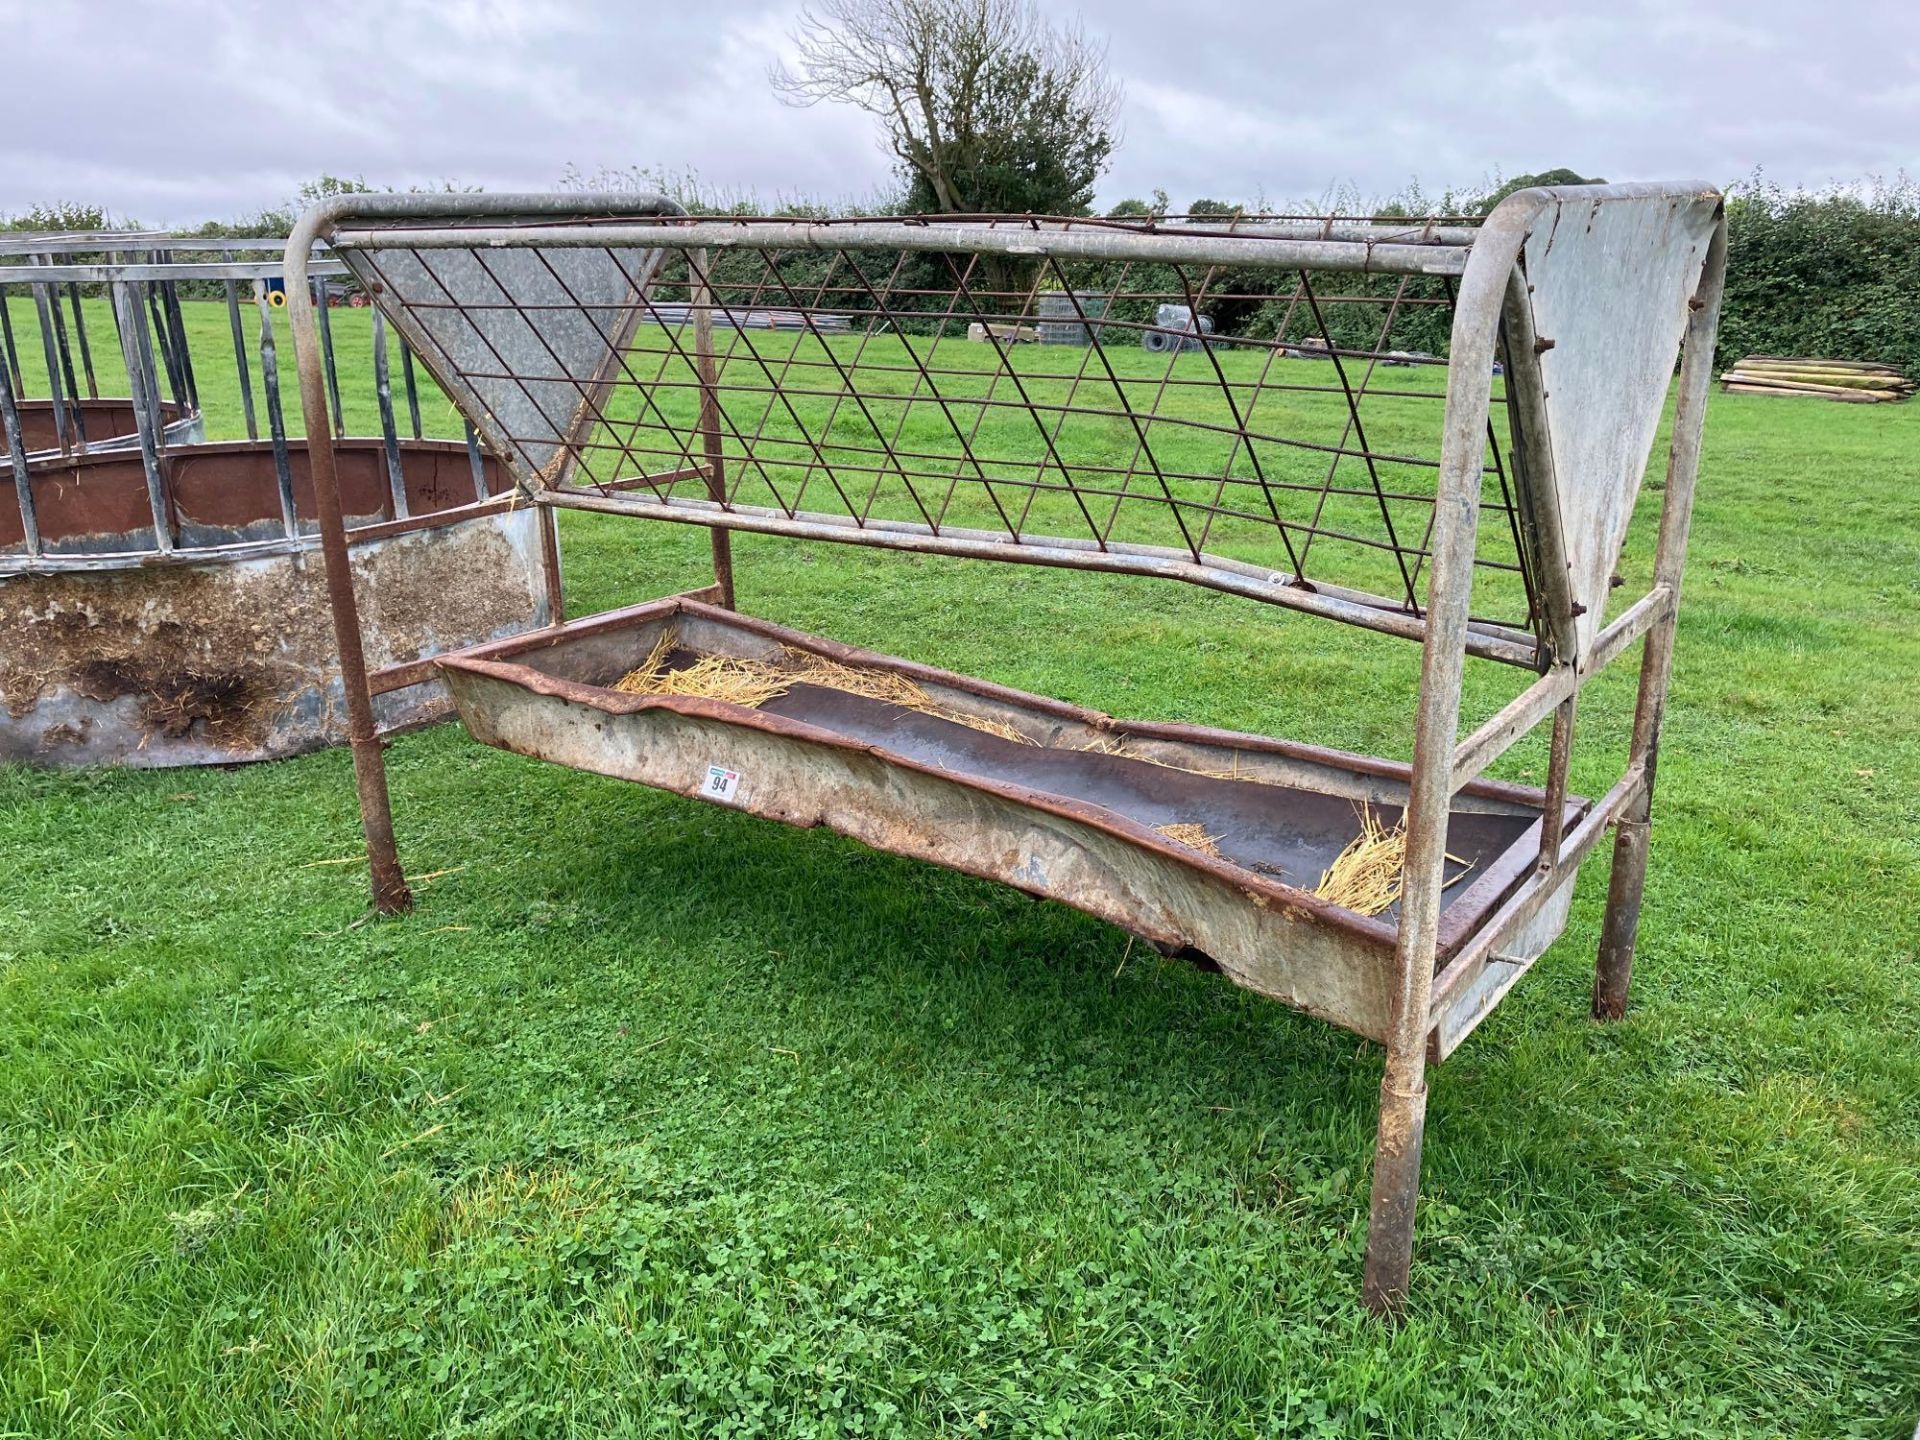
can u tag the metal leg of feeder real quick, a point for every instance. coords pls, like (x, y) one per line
(1403, 1083)
(710, 425)
(1553, 813)
(551, 578)
(276, 419)
(390, 893)
(1613, 969)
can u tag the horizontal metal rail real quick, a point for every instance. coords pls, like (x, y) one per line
(103, 274)
(68, 242)
(1213, 572)
(1526, 710)
(1467, 965)
(1159, 247)
(246, 549)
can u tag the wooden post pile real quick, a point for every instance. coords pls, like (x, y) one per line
(1859, 382)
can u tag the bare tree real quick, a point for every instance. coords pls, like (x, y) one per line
(987, 106)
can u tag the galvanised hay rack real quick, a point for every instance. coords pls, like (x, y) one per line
(869, 382)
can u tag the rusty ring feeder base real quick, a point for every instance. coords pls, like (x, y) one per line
(220, 649)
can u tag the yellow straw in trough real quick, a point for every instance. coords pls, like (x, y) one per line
(1194, 837)
(716, 677)
(883, 685)
(1367, 876)
(752, 682)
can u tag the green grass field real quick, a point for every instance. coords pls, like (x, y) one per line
(655, 1119)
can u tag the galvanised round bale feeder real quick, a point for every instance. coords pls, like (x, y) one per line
(108, 417)
(1480, 516)
(162, 601)
(71, 413)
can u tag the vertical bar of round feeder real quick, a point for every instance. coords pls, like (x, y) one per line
(389, 431)
(67, 378)
(240, 359)
(413, 385)
(276, 418)
(177, 329)
(169, 356)
(12, 357)
(475, 463)
(80, 338)
(17, 450)
(137, 351)
(62, 417)
(1613, 969)
(324, 301)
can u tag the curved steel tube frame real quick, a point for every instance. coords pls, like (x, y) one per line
(390, 892)
(1430, 1013)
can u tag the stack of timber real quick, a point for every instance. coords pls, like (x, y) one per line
(1859, 382)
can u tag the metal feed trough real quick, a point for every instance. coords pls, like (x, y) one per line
(157, 600)
(596, 345)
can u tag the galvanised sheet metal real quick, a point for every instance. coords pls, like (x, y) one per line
(525, 341)
(1609, 283)
(1071, 816)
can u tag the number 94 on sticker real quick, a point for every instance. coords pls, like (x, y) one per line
(720, 784)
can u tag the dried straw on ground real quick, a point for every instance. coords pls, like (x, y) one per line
(751, 682)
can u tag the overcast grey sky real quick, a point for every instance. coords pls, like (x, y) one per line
(178, 110)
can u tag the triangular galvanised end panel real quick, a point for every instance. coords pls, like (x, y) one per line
(526, 340)
(1611, 274)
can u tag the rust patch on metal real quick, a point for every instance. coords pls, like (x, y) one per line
(106, 418)
(205, 651)
(236, 661)
(97, 500)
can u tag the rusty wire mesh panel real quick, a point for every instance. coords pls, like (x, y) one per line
(1256, 415)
